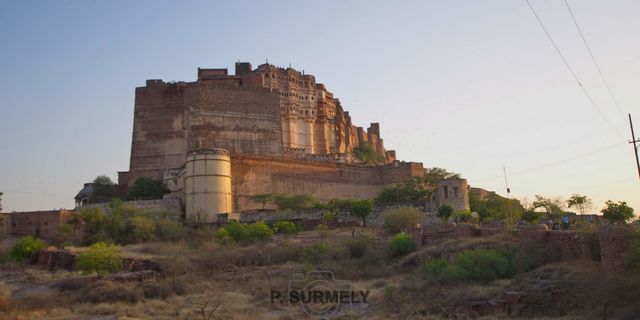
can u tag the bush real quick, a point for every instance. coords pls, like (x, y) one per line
(437, 269)
(139, 229)
(25, 246)
(632, 253)
(100, 258)
(285, 227)
(444, 212)
(315, 253)
(258, 231)
(531, 216)
(401, 244)
(402, 219)
(168, 230)
(463, 215)
(482, 265)
(246, 234)
(358, 246)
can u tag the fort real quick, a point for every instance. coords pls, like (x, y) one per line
(223, 138)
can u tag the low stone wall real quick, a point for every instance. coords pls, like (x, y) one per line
(171, 205)
(376, 217)
(54, 259)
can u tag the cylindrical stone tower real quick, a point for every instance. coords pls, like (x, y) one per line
(207, 184)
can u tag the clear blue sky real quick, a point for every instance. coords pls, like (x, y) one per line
(465, 85)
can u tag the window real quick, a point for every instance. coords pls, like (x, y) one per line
(446, 192)
(455, 192)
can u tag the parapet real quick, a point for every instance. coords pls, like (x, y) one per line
(212, 74)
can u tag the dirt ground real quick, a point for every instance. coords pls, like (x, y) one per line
(211, 281)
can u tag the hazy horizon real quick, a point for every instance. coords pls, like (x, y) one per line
(470, 87)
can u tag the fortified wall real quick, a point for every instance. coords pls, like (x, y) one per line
(269, 111)
(219, 140)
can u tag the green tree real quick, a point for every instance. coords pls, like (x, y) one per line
(362, 209)
(402, 219)
(553, 207)
(100, 258)
(444, 212)
(365, 153)
(294, 202)
(414, 189)
(617, 212)
(25, 246)
(102, 189)
(263, 198)
(145, 188)
(531, 216)
(581, 202)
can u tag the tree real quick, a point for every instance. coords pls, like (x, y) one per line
(402, 219)
(553, 207)
(365, 153)
(100, 258)
(531, 216)
(617, 212)
(294, 202)
(444, 212)
(145, 188)
(435, 175)
(102, 189)
(263, 198)
(362, 209)
(580, 202)
(25, 246)
(414, 189)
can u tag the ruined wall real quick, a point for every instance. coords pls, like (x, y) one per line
(40, 224)
(614, 240)
(454, 192)
(324, 180)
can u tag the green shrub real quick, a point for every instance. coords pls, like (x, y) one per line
(222, 235)
(245, 234)
(258, 231)
(100, 258)
(315, 253)
(358, 246)
(463, 215)
(482, 265)
(401, 219)
(285, 227)
(401, 244)
(25, 246)
(168, 230)
(139, 229)
(437, 269)
(236, 231)
(444, 212)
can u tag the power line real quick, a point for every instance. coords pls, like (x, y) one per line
(551, 164)
(564, 60)
(593, 58)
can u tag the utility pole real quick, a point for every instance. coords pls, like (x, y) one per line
(635, 144)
